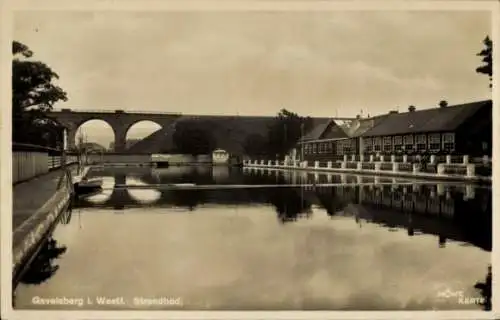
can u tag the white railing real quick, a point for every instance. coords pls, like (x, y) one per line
(463, 167)
(54, 162)
(29, 161)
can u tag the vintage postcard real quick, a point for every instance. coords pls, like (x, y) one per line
(249, 159)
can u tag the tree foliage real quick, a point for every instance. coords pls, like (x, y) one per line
(33, 95)
(285, 131)
(255, 145)
(486, 54)
(191, 138)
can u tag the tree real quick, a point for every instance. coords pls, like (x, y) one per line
(487, 68)
(285, 131)
(255, 145)
(190, 138)
(443, 104)
(33, 95)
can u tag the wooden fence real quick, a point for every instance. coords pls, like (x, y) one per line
(29, 161)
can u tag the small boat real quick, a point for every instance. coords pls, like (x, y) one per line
(88, 186)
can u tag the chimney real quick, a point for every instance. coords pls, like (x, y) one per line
(358, 116)
(412, 108)
(443, 104)
(393, 112)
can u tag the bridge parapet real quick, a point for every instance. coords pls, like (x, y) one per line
(131, 112)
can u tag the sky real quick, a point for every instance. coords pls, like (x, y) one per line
(337, 63)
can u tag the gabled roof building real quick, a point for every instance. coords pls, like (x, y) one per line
(331, 139)
(458, 129)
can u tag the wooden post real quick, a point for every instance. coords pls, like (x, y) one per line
(466, 159)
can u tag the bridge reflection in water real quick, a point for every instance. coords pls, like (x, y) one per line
(324, 244)
(458, 212)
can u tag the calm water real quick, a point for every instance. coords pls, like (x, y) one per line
(353, 245)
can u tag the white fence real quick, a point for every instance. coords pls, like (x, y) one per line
(432, 167)
(29, 164)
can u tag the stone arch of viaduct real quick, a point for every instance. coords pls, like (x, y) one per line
(119, 121)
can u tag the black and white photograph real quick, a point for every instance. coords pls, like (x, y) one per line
(268, 159)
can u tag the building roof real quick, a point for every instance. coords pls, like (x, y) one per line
(334, 131)
(316, 131)
(330, 129)
(428, 120)
(325, 129)
(362, 125)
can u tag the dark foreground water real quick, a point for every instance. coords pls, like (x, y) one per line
(353, 245)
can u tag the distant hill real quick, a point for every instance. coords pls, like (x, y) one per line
(230, 132)
(128, 143)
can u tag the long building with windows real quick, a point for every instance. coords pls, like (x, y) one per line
(330, 139)
(458, 129)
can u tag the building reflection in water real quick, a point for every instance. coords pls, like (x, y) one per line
(451, 212)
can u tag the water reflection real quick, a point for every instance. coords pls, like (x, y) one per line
(142, 196)
(186, 198)
(321, 247)
(43, 266)
(457, 212)
(289, 204)
(485, 289)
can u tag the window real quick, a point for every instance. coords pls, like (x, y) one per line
(387, 144)
(368, 144)
(315, 148)
(408, 142)
(377, 144)
(347, 147)
(338, 147)
(344, 146)
(320, 148)
(330, 147)
(398, 143)
(449, 141)
(434, 141)
(421, 142)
